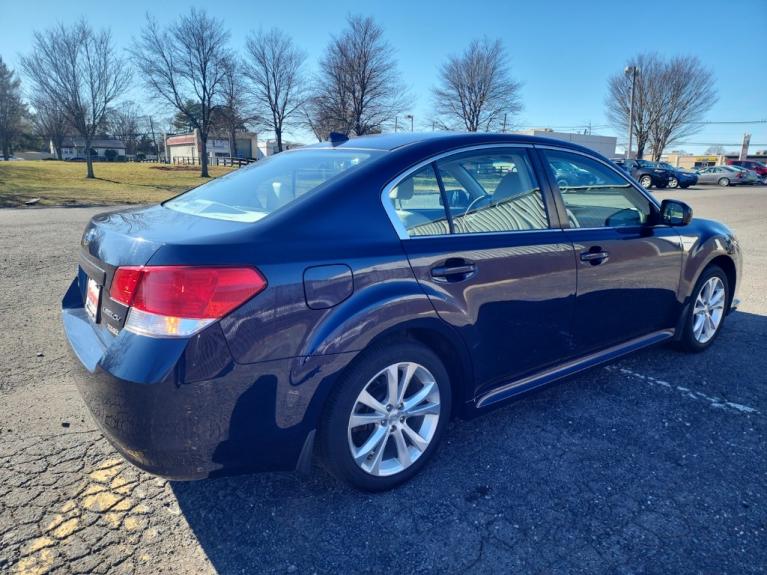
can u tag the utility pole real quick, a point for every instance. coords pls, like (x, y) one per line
(633, 70)
(396, 123)
(504, 124)
(744, 146)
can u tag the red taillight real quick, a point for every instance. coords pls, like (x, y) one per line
(124, 284)
(185, 291)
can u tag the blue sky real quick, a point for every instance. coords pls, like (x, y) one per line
(563, 52)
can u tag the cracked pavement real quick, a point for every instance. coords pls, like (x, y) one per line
(655, 464)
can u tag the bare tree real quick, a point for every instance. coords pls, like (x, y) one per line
(688, 93)
(475, 89)
(669, 97)
(184, 65)
(358, 89)
(233, 113)
(50, 122)
(78, 68)
(123, 123)
(12, 108)
(314, 117)
(274, 69)
(717, 150)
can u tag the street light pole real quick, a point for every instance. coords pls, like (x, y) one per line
(633, 70)
(410, 117)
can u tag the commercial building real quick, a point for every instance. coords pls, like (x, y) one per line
(185, 148)
(605, 145)
(694, 162)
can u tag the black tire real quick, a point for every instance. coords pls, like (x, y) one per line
(333, 432)
(724, 182)
(688, 342)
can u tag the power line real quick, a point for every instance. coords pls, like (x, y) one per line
(732, 122)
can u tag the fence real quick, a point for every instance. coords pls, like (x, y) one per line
(229, 162)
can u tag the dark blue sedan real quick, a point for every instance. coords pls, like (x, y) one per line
(349, 298)
(679, 177)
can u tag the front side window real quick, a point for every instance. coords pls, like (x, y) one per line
(594, 195)
(252, 193)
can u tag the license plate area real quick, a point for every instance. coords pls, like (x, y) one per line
(92, 299)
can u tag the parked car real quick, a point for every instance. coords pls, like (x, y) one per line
(646, 172)
(750, 177)
(679, 177)
(759, 167)
(349, 298)
(721, 175)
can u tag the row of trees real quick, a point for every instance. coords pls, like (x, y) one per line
(77, 79)
(671, 97)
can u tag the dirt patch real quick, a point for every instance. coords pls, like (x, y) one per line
(176, 168)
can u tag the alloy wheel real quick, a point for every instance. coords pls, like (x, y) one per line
(394, 419)
(646, 181)
(673, 183)
(709, 309)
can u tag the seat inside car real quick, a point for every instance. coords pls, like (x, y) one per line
(405, 191)
(510, 186)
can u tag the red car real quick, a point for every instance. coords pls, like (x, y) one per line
(758, 167)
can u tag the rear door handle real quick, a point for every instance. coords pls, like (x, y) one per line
(594, 257)
(456, 272)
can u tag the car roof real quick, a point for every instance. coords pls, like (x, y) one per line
(393, 141)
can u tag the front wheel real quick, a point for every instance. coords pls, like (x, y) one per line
(724, 182)
(387, 416)
(646, 181)
(673, 183)
(707, 310)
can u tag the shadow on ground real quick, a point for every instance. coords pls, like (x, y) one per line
(641, 466)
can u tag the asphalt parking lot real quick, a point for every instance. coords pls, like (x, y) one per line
(654, 464)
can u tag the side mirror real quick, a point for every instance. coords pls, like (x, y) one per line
(675, 213)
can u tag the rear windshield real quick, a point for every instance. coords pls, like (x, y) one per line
(254, 192)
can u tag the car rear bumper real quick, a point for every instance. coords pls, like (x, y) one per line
(172, 416)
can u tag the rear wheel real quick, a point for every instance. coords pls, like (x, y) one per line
(646, 181)
(724, 182)
(707, 311)
(387, 416)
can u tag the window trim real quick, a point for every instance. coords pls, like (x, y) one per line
(400, 229)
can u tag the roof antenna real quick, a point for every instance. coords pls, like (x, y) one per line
(337, 138)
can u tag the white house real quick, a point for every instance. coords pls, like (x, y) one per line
(74, 147)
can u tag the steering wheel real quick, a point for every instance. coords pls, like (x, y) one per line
(473, 202)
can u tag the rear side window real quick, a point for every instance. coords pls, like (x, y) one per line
(252, 193)
(493, 192)
(473, 192)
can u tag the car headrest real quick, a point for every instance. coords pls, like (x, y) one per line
(509, 187)
(405, 189)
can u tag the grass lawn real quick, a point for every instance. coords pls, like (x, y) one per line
(64, 183)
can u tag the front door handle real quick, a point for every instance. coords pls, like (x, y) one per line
(457, 271)
(594, 257)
